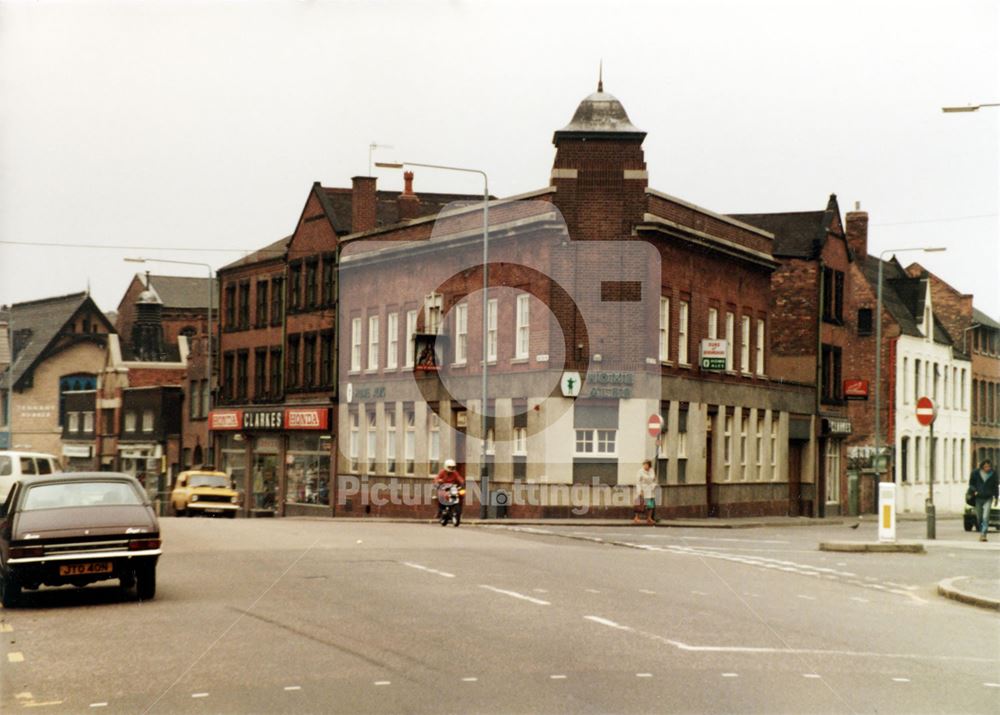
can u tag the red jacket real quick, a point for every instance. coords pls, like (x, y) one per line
(452, 477)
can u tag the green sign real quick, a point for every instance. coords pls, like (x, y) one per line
(712, 363)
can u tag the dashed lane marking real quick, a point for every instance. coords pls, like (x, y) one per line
(469, 680)
(15, 657)
(293, 687)
(98, 705)
(730, 675)
(606, 622)
(540, 590)
(647, 591)
(420, 567)
(557, 677)
(644, 675)
(805, 597)
(811, 675)
(383, 682)
(992, 685)
(199, 695)
(901, 680)
(591, 590)
(859, 599)
(515, 594)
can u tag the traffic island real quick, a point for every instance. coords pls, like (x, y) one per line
(983, 593)
(858, 547)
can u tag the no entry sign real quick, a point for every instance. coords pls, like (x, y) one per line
(655, 425)
(925, 411)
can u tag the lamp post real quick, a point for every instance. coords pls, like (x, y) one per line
(878, 346)
(208, 345)
(969, 108)
(484, 477)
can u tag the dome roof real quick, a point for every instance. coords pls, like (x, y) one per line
(149, 297)
(601, 115)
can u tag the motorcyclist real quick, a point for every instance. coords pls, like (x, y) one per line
(447, 476)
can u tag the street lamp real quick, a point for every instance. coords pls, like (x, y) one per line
(208, 344)
(969, 108)
(484, 478)
(878, 346)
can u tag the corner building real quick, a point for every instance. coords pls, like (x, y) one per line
(596, 278)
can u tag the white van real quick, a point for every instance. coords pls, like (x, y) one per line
(14, 465)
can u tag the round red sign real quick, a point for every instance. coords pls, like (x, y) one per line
(925, 411)
(655, 425)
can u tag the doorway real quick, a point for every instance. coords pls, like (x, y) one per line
(794, 479)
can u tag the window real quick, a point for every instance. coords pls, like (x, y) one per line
(392, 341)
(491, 330)
(916, 379)
(309, 361)
(130, 419)
(682, 334)
(432, 313)
(743, 446)
(745, 345)
(759, 444)
(965, 405)
(390, 439)
(520, 441)
(864, 321)
(228, 373)
(905, 387)
(204, 398)
(727, 448)
(904, 459)
(230, 305)
(260, 319)
(354, 443)
(242, 373)
(356, 345)
(761, 342)
(295, 286)
(916, 459)
(730, 334)
(277, 300)
(713, 324)
(194, 400)
(411, 331)
(259, 373)
(88, 421)
(275, 386)
(312, 268)
(147, 420)
(521, 340)
(591, 442)
(664, 329)
(373, 342)
(328, 268)
(245, 304)
(833, 295)
(409, 439)
(461, 333)
(433, 442)
(292, 362)
(774, 446)
(831, 388)
(72, 421)
(832, 459)
(491, 442)
(371, 439)
(326, 359)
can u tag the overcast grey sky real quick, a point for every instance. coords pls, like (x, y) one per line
(203, 124)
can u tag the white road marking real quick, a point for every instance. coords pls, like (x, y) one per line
(515, 594)
(901, 680)
(557, 677)
(199, 695)
(383, 682)
(699, 593)
(808, 598)
(859, 599)
(730, 675)
(644, 675)
(647, 591)
(469, 680)
(293, 687)
(992, 685)
(98, 705)
(811, 675)
(540, 590)
(15, 657)
(606, 622)
(445, 574)
(591, 590)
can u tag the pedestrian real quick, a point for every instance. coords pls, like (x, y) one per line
(646, 480)
(985, 488)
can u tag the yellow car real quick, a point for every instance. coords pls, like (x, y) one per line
(201, 492)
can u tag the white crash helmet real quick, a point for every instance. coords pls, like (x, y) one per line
(449, 464)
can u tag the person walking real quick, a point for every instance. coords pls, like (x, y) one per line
(646, 480)
(984, 485)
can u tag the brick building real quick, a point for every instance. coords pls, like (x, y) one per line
(812, 325)
(602, 292)
(58, 347)
(184, 300)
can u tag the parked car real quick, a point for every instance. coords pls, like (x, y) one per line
(77, 529)
(14, 465)
(203, 492)
(971, 521)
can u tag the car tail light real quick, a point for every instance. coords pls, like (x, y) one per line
(235, 500)
(143, 544)
(26, 552)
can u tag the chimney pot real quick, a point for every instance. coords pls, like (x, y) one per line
(408, 183)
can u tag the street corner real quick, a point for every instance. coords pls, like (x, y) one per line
(979, 592)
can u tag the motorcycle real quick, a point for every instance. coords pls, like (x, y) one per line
(450, 504)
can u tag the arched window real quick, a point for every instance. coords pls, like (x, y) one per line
(73, 383)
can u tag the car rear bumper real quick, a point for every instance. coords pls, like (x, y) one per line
(213, 507)
(80, 569)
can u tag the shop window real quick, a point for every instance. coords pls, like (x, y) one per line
(308, 474)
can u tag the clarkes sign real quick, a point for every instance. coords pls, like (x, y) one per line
(274, 420)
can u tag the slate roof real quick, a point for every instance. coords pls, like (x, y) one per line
(903, 297)
(270, 252)
(386, 207)
(183, 291)
(797, 234)
(45, 320)
(980, 317)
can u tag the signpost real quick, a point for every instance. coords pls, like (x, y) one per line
(926, 413)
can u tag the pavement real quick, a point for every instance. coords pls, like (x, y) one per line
(981, 592)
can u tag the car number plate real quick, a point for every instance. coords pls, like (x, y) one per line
(84, 569)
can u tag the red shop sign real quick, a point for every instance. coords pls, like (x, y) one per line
(856, 389)
(312, 418)
(221, 420)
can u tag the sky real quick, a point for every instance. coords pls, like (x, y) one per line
(192, 131)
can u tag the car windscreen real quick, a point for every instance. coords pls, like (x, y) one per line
(208, 480)
(57, 495)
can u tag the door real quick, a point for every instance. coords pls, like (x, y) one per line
(794, 479)
(712, 506)
(265, 481)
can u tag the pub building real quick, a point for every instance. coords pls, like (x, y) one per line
(278, 458)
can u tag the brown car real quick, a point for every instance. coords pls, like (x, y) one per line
(76, 529)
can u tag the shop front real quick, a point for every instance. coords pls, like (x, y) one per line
(278, 458)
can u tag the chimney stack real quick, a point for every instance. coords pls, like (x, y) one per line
(408, 203)
(857, 231)
(362, 203)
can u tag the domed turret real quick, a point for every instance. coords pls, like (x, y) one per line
(598, 116)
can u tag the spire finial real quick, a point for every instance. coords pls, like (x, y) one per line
(600, 76)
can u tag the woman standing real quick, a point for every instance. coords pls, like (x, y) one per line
(647, 490)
